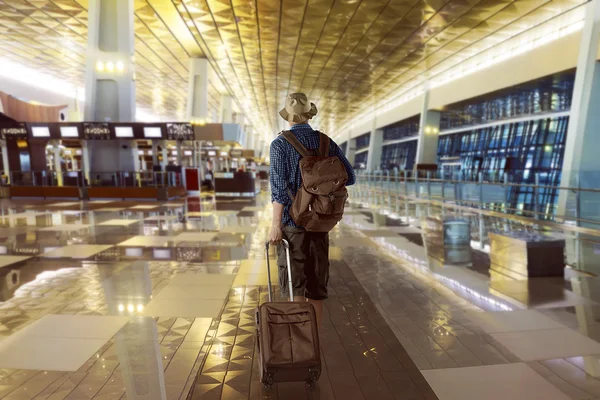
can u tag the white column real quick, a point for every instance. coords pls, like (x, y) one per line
(136, 162)
(5, 161)
(249, 137)
(75, 165)
(261, 146)
(85, 159)
(581, 162)
(429, 129)
(350, 148)
(179, 153)
(240, 119)
(197, 104)
(226, 116)
(375, 147)
(109, 77)
(165, 155)
(57, 164)
(135, 155)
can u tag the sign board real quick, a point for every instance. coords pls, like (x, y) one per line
(180, 132)
(96, 131)
(15, 131)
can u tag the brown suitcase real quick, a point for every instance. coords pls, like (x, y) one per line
(287, 337)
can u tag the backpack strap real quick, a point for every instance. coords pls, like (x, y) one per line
(293, 140)
(323, 144)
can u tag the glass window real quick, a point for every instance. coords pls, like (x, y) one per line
(399, 155)
(362, 141)
(548, 94)
(526, 149)
(360, 160)
(402, 129)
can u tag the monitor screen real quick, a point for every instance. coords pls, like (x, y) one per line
(69, 131)
(152, 132)
(40, 131)
(124, 131)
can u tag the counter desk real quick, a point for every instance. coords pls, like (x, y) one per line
(236, 184)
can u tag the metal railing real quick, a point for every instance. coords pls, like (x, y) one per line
(97, 179)
(488, 192)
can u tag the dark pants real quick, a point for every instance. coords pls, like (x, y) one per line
(309, 256)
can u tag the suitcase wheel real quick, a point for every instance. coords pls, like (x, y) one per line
(314, 377)
(267, 381)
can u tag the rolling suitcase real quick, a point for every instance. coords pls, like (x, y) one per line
(287, 337)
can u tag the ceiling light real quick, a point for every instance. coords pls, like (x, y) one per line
(100, 66)
(120, 66)
(110, 66)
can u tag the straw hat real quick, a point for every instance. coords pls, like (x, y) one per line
(298, 108)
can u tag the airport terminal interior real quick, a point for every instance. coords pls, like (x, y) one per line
(135, 196)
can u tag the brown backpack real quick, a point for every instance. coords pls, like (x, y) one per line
(319, 203)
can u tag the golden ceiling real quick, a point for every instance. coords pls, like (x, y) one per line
(347, 55)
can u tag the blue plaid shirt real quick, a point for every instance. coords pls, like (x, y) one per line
(285, 167)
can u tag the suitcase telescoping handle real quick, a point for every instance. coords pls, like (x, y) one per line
(286, 246)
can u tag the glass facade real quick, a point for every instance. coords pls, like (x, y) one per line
(399, 155)
(545, 95)
(521, 149)
(344, 147)
(403, 129)
(360, 160)
(362, 141)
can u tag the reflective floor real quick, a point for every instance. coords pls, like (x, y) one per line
(133, 300)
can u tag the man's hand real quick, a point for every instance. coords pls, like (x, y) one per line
(275, 236)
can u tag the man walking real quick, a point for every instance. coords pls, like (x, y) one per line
(309, 250)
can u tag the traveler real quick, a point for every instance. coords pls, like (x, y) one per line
(309, 249)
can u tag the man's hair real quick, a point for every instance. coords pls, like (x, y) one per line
(304, 121)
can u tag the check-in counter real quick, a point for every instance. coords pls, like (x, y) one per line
(236, 184)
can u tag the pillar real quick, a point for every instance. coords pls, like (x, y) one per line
(581, 163)
(429, 129)
(165, 155)
(85, 159)
(57, 164)
(74, 163)
(135, 155)
(375, 147)
(154, 153)
(226, 116)
(197, 103)
(260, 146)
(179, 153)
(240, 119)
(249, 137)
(109, 76)
(350, 148)
(5, 161)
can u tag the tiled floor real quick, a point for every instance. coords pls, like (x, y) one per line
(141, 305)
